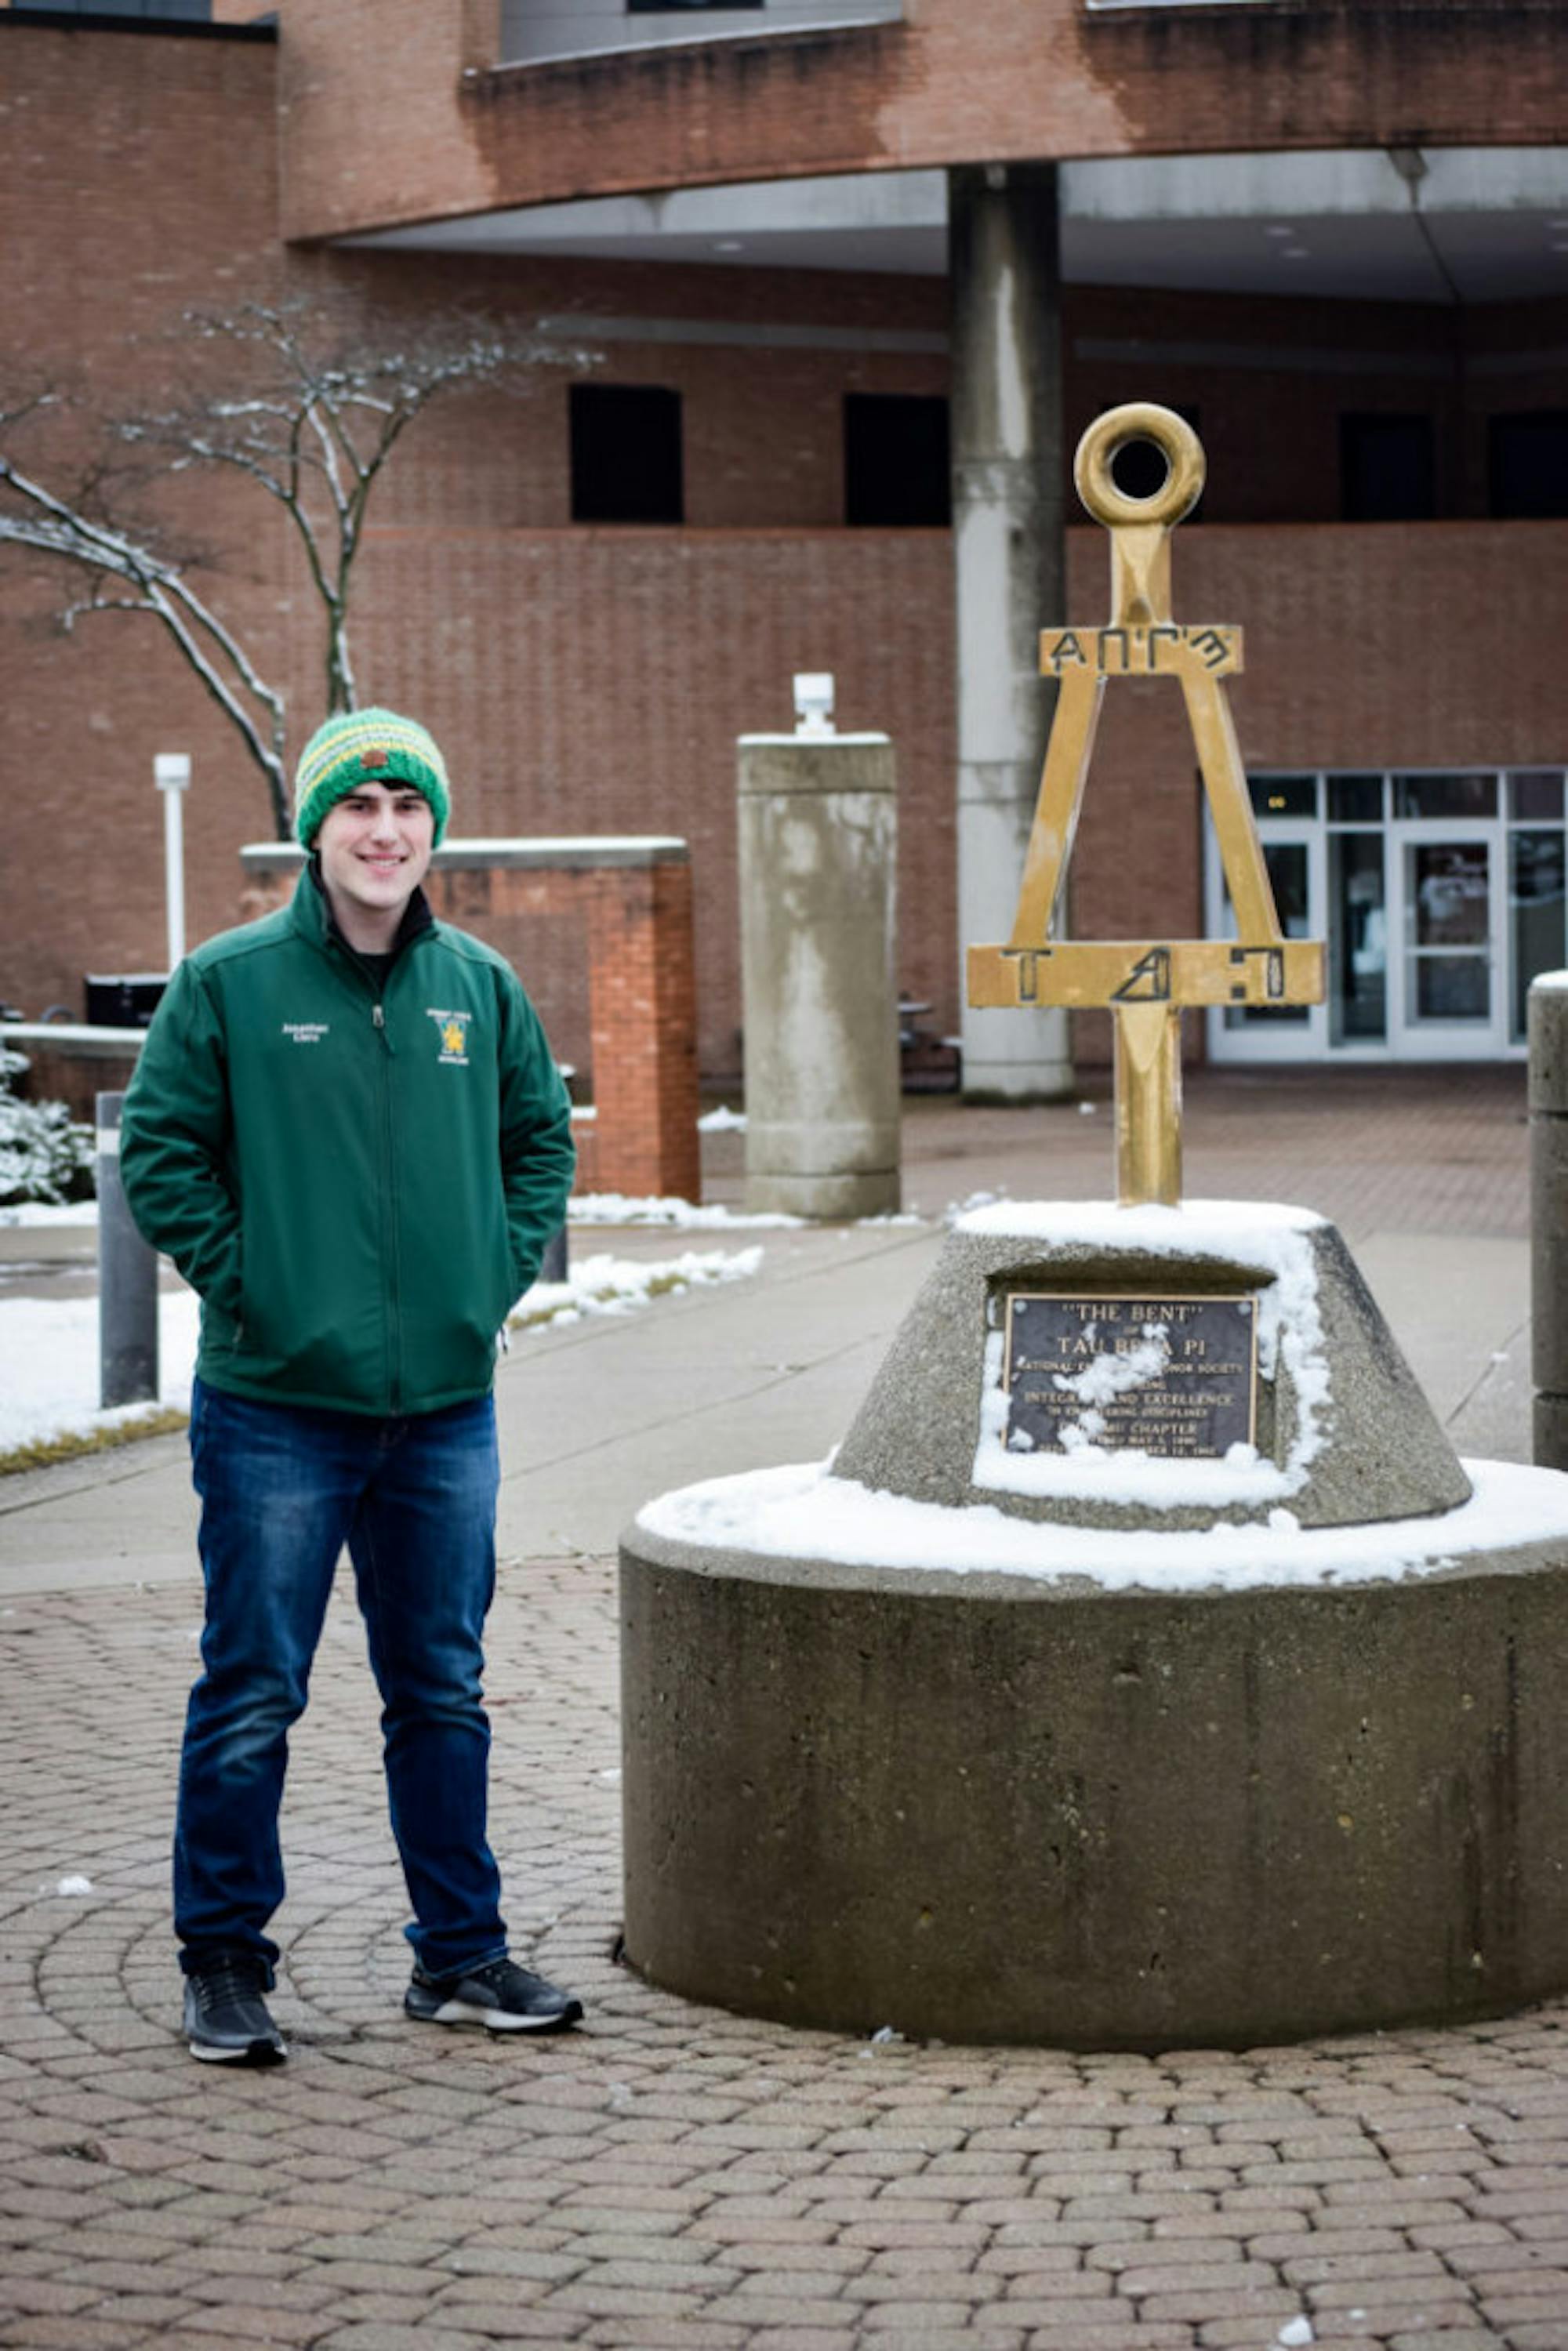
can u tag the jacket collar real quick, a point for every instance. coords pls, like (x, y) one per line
(311, 913)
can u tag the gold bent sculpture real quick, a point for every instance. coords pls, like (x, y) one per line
(1146, 983)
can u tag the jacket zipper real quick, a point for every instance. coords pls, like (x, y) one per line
(389, 1195)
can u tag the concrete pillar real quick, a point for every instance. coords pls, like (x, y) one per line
(1549, 1215)
(818, 820)
(1008, 468)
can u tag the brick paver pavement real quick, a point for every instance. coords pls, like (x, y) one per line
(670, 2176)
(1436, 1150)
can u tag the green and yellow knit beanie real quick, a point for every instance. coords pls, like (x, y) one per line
(366, 746)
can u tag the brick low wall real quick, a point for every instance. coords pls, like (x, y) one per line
(632, 900)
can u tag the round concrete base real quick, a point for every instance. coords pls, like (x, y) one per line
(992, 1807)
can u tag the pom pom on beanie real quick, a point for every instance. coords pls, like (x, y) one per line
(366, 746)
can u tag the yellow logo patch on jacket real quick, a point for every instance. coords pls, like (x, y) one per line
(452, 1029)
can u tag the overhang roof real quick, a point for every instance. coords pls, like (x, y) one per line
(1469, 224)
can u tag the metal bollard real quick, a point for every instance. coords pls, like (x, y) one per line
(552, 1265)
(127, 1280)
(1549, 1215)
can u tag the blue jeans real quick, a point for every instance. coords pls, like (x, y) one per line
(283, 1490)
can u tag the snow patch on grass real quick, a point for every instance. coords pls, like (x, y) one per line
(618, 1285)
(625, 1208)
(49, 1379)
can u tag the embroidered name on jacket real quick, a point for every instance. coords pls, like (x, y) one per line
(452, 1028)
(306, 1032)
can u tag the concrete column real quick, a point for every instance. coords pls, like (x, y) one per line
(818, 851)
(1010, 562)
(1549, 1215)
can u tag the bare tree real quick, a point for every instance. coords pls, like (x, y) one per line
(316, 426)
(309, 421)
(131, 575)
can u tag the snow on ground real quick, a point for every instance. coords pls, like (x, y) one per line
(50, 1358)
(587, 1208)
(48, 1367)
(32, 1212)
(624, 1208)
(804, 1513)
(614, 1285)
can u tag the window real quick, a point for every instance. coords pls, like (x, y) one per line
(895, 461)
(1387, 468)
(1535, 795)
(1283, 795)
(1355, 799)
(1445, 799)
(1535, 903)
(626, 454)
(181, 12)
(1529, 463)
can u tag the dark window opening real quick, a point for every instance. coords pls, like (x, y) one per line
(1283, 795)
(1387, 468)
(626, 454)
(1528, 464)
(895, 461)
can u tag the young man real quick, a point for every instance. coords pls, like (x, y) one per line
(348, 1132)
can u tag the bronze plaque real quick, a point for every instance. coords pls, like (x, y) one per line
(1174, 1376)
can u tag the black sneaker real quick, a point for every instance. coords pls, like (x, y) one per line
(226, 2020)
(501, 1996)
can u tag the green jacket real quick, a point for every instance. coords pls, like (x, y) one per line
(359, 1181)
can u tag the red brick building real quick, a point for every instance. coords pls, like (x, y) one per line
(1332, 232)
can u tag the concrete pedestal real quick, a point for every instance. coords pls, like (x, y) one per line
(819, 839)
(986, 1745)
(987, 1808)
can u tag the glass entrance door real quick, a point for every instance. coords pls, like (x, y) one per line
(1447, 855)
(1439, 895)
(1286, 1032)
(1449, 929)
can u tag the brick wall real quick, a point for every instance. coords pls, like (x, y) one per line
(594, 680)
(384, 124)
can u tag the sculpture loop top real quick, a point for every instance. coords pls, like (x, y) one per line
(1178, 445)
(1140, 528)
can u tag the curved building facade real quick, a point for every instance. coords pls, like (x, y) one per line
(833, 286)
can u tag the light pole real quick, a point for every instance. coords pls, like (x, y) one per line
(171, 773)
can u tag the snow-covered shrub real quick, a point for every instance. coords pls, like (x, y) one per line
(44, 1153)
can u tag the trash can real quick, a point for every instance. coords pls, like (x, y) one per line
(124, 999)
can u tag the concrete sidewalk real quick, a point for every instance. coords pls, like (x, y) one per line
(1424, 1171)
(670, 2176)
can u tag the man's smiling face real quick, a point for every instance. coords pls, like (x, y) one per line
(374, 845)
